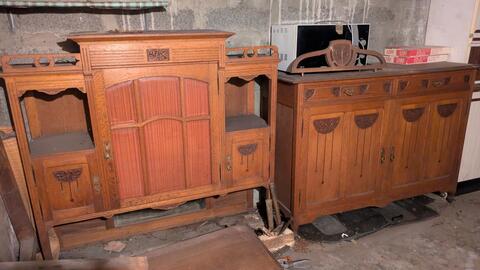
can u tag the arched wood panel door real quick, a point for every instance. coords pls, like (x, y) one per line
(160, 135)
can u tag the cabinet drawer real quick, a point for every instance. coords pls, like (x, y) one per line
(246, 160)
(449, 81)
(64, 185)
(347, 90)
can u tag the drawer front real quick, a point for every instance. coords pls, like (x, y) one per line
(447, 81)
(347, 90)
(65, 186)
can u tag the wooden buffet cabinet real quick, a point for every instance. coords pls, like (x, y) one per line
(356, 139)
(141, 120)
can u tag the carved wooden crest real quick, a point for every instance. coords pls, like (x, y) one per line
(340, 55)
(325, 126)
(412, 115)
(365, 121)
(446, 110)
(156, 55)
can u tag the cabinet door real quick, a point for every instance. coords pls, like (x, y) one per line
(162, 134)
(444, 140)
(343, 153)
(409, 121)
(324, 144)
(362, 162)
(426, 140)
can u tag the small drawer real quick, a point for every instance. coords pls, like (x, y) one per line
(247, 157)
(449, 81)
(347, 90)
(65, 184)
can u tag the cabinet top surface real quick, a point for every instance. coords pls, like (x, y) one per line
(148, 35)
(389, 70)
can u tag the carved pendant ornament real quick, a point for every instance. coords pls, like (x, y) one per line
(68, 177)
(412, 115)
(366, 121)
(325, 126)
(246, 151)
(446, 110)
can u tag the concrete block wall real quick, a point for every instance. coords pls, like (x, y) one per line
(399, 22)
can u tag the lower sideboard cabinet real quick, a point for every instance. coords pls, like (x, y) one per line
(346, 142)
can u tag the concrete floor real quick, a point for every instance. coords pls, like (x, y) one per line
(450, 241)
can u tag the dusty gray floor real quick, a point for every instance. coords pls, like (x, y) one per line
(450, 241)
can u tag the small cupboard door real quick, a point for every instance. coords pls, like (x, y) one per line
(343, 153)
(443, 147)
(161, 135)
(247, 158)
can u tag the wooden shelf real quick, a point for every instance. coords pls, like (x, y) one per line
(243, 122)
(54, 144)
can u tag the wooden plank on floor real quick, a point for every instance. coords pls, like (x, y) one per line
(233, 248)
(119, 263)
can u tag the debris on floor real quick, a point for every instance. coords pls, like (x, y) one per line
(276, 242)
(115, 246)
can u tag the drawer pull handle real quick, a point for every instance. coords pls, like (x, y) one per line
(382, 155)
(349, 91)
(392, 154)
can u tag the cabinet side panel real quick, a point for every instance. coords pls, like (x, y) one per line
(127, 161)
(283, 156)
(198, 153)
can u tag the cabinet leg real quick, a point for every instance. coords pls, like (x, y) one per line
(110, 223)
(54, 244)
(44, 239)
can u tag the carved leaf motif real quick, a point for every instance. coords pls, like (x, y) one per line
(365, 121)
(387, 87)
(325, 126)
(446, 110)
(403, 84)
(412, 115)
(247, 149)
(68, 175)
(309, 93)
